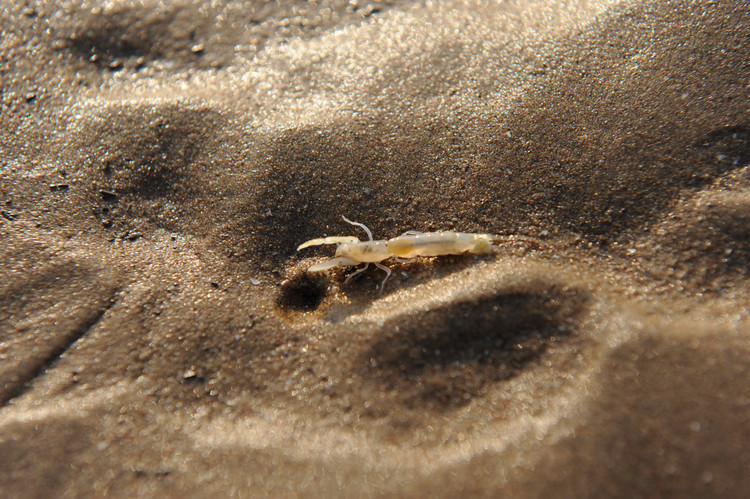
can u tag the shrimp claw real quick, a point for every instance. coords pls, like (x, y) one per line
(327, 240)
(336, 262)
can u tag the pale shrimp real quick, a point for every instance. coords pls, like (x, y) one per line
(351, 251)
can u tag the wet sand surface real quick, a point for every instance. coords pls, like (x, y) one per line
(161, 161)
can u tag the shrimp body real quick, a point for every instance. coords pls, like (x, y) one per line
(438, 243)
(351, 251)
(365, 251)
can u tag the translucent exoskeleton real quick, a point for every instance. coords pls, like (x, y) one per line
(351, 251)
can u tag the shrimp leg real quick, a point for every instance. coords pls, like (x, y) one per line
(354, 274)
(387, 275)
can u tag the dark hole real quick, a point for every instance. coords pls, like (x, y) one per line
(301, 293)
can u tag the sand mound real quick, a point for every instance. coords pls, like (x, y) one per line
(162, 161)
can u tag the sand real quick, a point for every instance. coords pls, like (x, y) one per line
(161, 161)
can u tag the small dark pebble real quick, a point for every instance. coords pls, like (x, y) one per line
(108, 195)
(141, 473)
(370, 10)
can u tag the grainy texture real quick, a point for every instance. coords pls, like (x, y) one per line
(161, 161)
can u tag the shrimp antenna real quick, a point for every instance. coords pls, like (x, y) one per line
(369, 234)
